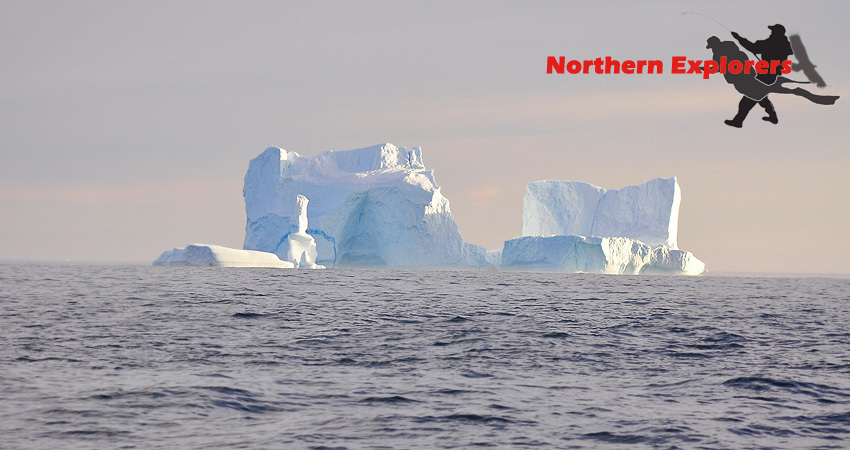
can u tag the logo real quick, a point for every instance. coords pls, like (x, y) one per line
(754, 79)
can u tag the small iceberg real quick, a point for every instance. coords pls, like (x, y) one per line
(205, 255)
(300, 250)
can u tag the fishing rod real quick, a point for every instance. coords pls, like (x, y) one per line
(707, 17)
(717, 22)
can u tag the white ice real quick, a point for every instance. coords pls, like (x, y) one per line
(611, 255)
(648, 212)
(379, 207)
(578, 227)
(218, 256)
(375, 206)
(300, 247)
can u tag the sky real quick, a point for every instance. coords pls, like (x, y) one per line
(126, 127)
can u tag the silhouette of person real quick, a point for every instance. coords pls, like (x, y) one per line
(753, 89)
(775, 48)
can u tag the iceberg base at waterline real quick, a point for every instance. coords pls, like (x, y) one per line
(610, 255)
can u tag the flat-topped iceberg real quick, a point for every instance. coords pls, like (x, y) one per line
(374, 206)
(299, 248)
(205, 255)
(578, 227)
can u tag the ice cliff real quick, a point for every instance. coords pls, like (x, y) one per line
(578, 227)
(374, 206)
(648, 212)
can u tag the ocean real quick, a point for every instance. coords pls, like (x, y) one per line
(109, 356)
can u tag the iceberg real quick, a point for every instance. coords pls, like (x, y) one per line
(578, 227)
(300, 249)
(648, 212)
(217, 256)
(371, 207)
(380, 207)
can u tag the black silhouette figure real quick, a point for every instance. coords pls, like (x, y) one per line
(753, 89)
(804, 63)
(775, 48)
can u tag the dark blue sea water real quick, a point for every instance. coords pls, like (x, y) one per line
(171, 357)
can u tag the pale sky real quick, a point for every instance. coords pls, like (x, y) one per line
(127, 127)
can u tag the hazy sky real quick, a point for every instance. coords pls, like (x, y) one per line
(127, 127)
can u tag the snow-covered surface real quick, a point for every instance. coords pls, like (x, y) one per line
(648, 212)
(612, 255)
(374, 206)
(218, 256)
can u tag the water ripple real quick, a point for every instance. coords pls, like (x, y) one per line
(127, 356)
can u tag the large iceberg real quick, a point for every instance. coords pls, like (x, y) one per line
(578, 227)
(374, 206)
(648, 212)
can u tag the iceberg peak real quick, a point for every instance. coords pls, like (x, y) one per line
(299, 246)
